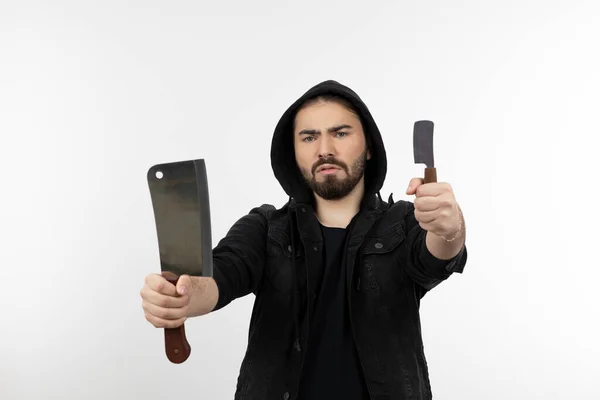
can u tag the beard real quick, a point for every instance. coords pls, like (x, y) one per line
(332, 187)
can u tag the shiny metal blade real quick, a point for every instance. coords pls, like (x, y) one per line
(423, 143)
(180, 200)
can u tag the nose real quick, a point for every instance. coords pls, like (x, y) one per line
(326, 147)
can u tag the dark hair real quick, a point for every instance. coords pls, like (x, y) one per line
(340, 100)
(333, 99)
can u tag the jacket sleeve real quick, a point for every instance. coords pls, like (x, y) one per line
(239, 258)
(422, 266)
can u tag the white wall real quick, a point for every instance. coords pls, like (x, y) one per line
(93, 93)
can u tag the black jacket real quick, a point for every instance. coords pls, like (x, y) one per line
(277, 254)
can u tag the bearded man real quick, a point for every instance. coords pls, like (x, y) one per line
(337, 272)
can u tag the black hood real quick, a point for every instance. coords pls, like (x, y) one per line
(283, 160)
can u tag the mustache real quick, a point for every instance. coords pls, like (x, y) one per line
(329, 160)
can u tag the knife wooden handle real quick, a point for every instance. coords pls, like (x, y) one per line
(177, 346)
(430, 175)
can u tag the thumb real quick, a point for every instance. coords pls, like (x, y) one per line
(183, 284)
(413, 185)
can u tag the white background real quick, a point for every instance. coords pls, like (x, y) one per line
(94, 93)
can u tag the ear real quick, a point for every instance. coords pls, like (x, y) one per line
(368, 154)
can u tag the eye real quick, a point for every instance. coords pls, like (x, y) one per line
(306, 139)
(342, 133)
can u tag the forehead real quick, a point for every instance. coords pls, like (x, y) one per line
(324, 114)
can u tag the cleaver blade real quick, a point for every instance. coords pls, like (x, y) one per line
(423, 149)
(180, 201)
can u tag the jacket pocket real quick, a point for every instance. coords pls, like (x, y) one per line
(385, 242)
(380, 269)
(280, 262)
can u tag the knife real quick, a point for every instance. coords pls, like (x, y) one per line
(180, 201)
(423, 149)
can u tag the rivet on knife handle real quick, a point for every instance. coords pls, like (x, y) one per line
(423, 149)
(177, 346)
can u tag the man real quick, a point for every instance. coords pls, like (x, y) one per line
(338, 273)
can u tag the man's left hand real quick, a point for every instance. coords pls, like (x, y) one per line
(436, 208)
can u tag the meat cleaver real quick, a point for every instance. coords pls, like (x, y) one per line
(423, 149)
(180, 200)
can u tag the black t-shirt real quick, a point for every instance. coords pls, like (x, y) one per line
(332, 368)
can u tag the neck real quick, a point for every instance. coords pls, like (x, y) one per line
(339, 213)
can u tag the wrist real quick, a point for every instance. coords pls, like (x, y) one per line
(457, 233)
(203, 296)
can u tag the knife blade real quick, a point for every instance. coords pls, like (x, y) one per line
(423, 149)
(181, 206)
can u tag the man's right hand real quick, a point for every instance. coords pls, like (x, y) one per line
(166, 305)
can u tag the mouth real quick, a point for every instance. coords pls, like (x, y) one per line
(328, 169)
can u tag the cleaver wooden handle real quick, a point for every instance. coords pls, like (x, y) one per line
(176, 344)
(430, 175)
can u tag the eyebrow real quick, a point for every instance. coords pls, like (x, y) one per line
(330, 130)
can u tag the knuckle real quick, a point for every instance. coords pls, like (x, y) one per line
(145, 292)
(446, 202)
(150, 279)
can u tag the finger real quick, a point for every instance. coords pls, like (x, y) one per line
(427, 204)
(162, 300)
(159, 284)
(163, 323)
(427, 226)
(444, 202)
(413, 185)
(433, 189)
(426, 217)
(169, 314)
(183, 284)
